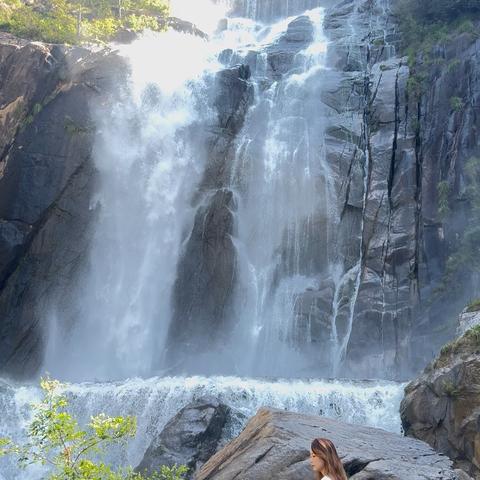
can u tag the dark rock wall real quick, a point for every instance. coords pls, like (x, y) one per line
(448, 139)
(442, 405)
(207, 270)
(405, 146)
(45, 184)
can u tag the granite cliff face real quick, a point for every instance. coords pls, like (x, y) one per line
(386, 150)
(442, 405)
(46, 182)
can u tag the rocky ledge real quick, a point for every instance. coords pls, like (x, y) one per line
(275, 445)
(442, 406)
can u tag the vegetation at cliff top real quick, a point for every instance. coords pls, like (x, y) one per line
(77, 21)
(468, 342)
(427, 23)
(424, 22)
(474, 306)
(56, 440)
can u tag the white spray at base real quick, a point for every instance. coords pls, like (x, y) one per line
(155, 401)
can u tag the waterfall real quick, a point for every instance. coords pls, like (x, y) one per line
(283, 212)
(294, 269)
(153, 153)
(148, 163)
(156, 400)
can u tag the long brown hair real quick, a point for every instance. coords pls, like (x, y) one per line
(325, 449)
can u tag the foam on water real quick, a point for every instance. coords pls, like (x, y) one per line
(155, 400)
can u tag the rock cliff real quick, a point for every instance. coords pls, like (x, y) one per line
(442, 406)
(46, 181)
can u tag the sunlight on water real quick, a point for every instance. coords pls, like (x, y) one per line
(202, 13)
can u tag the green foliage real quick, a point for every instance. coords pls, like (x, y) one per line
(456, 103)
(453, 65)
(100, 29)
(443, 192)
(474, 335)
(464, 345)
(76, 21)
(137, 23)
(53, 23)
(474, 306)
(447, 349)
(427, 23)
(56, 440)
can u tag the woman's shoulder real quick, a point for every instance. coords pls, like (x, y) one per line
(326, 478)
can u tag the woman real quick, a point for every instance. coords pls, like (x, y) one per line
(325, 462)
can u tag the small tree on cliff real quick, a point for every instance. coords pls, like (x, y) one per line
(56, 440)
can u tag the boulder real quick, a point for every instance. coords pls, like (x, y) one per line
(275, 445)
(281, 54)
(442, 406)
(190, 438)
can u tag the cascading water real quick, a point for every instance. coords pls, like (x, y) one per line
(293, 298)
(149, 163)
(285, 194)
(153, 155)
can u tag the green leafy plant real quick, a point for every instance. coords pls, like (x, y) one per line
(77, 21)
(474, 334)
(56, 440)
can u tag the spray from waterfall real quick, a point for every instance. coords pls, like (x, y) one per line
(156, 400)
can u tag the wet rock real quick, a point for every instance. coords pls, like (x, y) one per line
(205, 280)
(442, 406)
(281, 54)
(207, 270)
(275, 445)
(468, 319)
(46, 179)
(234, 95)
(190, 438)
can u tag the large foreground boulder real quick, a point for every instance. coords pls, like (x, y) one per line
(190, 438)
(442, 406)
(275, 446)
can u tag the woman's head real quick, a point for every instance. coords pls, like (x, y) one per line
(325, 461)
